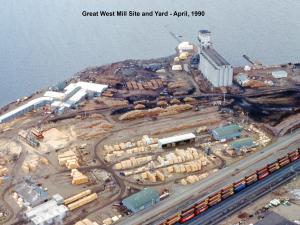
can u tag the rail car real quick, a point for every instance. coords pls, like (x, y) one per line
(294, 155)
(251, 179)
(273, 167)
(284, 161)
(187, 215)
(240, 185)
(230, 190)
(172, 220)
(262, 173)
(201, 207)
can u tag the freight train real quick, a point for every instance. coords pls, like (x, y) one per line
(225, 192)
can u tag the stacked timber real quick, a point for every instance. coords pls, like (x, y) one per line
(83, 201)
(68, 159)
(86, 221)
(77, 197)
(78, 177)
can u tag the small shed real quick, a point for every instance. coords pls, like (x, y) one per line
(141, 200)
(227, 132)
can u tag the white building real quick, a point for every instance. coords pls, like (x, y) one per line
(29, 106)
(279, 74)
(212, 65)
(50, 212)
(174, 140)
(74, 93)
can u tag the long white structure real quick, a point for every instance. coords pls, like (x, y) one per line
(164, 142)
(29, 106)
(74, 93)
(212, 65)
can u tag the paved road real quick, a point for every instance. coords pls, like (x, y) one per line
(219, 212)
(214, 182)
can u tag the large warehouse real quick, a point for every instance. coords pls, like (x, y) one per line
(141, 200)
(227, 132)
(212, 65)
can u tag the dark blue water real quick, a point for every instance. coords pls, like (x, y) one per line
(44, 42)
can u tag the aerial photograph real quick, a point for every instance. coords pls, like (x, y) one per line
(139, 112)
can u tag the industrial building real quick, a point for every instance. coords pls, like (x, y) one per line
(175, 140)
(74, 93)
(141, 200)
(212, 65)
(31, 193)
(243, 143)
(227, 132)
(29, 106)
(50, 212)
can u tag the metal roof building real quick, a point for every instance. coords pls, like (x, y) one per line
(242, 143)
(29, 106)
(227, 132)
(175, 139)
(50, 212)
(141, 200)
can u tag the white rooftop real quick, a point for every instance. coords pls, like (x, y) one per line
(31, 103)
(77, 96)
(53, 213)
(87, 86)
(177, 138)
(48, 211)
(54, 94)
(279, 74)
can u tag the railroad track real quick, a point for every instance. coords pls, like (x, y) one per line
(238, 201)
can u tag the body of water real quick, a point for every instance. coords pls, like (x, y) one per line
(44, 42)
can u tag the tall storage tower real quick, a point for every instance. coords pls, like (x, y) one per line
(212, 65)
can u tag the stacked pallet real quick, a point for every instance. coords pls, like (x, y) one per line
(68, 159)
